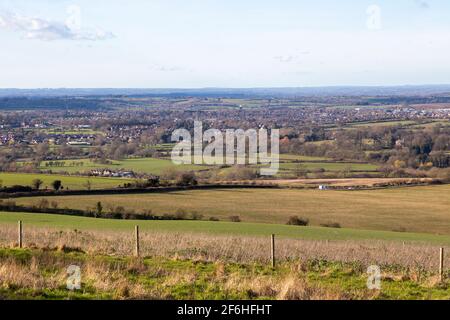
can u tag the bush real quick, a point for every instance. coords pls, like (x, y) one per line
(148, 214)
(235, 219)
(331, 225)
(186, 179)
(17, 188)
(9, 204)
(241, 173)
(153, 182)
(196, 216)
(167, 216)
(37, 183)
(399, 229)
(129, 215)
(297, 221)
(57, 185)
(43, 204)
(213, 219)
(119, 210)
(181, 214)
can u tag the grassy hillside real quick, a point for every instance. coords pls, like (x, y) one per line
(413, 209)
(61, 222)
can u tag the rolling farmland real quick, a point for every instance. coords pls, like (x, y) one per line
(400, 209)
(62, 222)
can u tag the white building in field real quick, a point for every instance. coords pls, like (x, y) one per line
(78, 143)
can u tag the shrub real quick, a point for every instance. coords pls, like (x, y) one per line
(153, 182)
(196, 216)
(331, 225)
(99, 209)
(57, 185)
(37, 183)
(148, 214)
(119, 210)
(187, 179)
(181, 214)
(9, 204)
(298, 221)
(129, 215)
(213, 219)
(43, 204)
(54, 204)
(241, 173)
(235, 219)
(17, 188)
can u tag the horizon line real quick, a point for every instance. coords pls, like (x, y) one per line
(230, 88)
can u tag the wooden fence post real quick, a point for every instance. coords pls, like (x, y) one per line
(20, 235)
(441, 264)
(136, 233)
(272, 249)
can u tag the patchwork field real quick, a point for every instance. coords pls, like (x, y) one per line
(157, 166)
(414, 209)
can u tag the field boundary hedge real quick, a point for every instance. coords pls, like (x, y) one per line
(12, 207)
(42, 193)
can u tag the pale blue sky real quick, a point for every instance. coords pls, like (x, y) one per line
(227, 43)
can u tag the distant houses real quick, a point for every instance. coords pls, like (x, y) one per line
(112, 173)
(78, 143)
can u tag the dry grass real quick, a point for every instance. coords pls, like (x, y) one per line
(210, 248)
(348, 182)
(290, 287)
(194, 266)
(112, 281)
(48, 272)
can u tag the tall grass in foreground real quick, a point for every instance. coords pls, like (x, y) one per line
(230, 248)
(42, 274)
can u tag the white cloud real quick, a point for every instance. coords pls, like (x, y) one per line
(42, 29)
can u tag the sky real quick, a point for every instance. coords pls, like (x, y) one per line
(226, 43)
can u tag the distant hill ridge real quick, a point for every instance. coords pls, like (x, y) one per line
(409, 90)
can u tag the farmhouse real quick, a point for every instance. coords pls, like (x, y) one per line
(112, 173)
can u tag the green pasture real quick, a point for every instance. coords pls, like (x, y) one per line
(71, 182)
(62, 222)
(139, 165)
